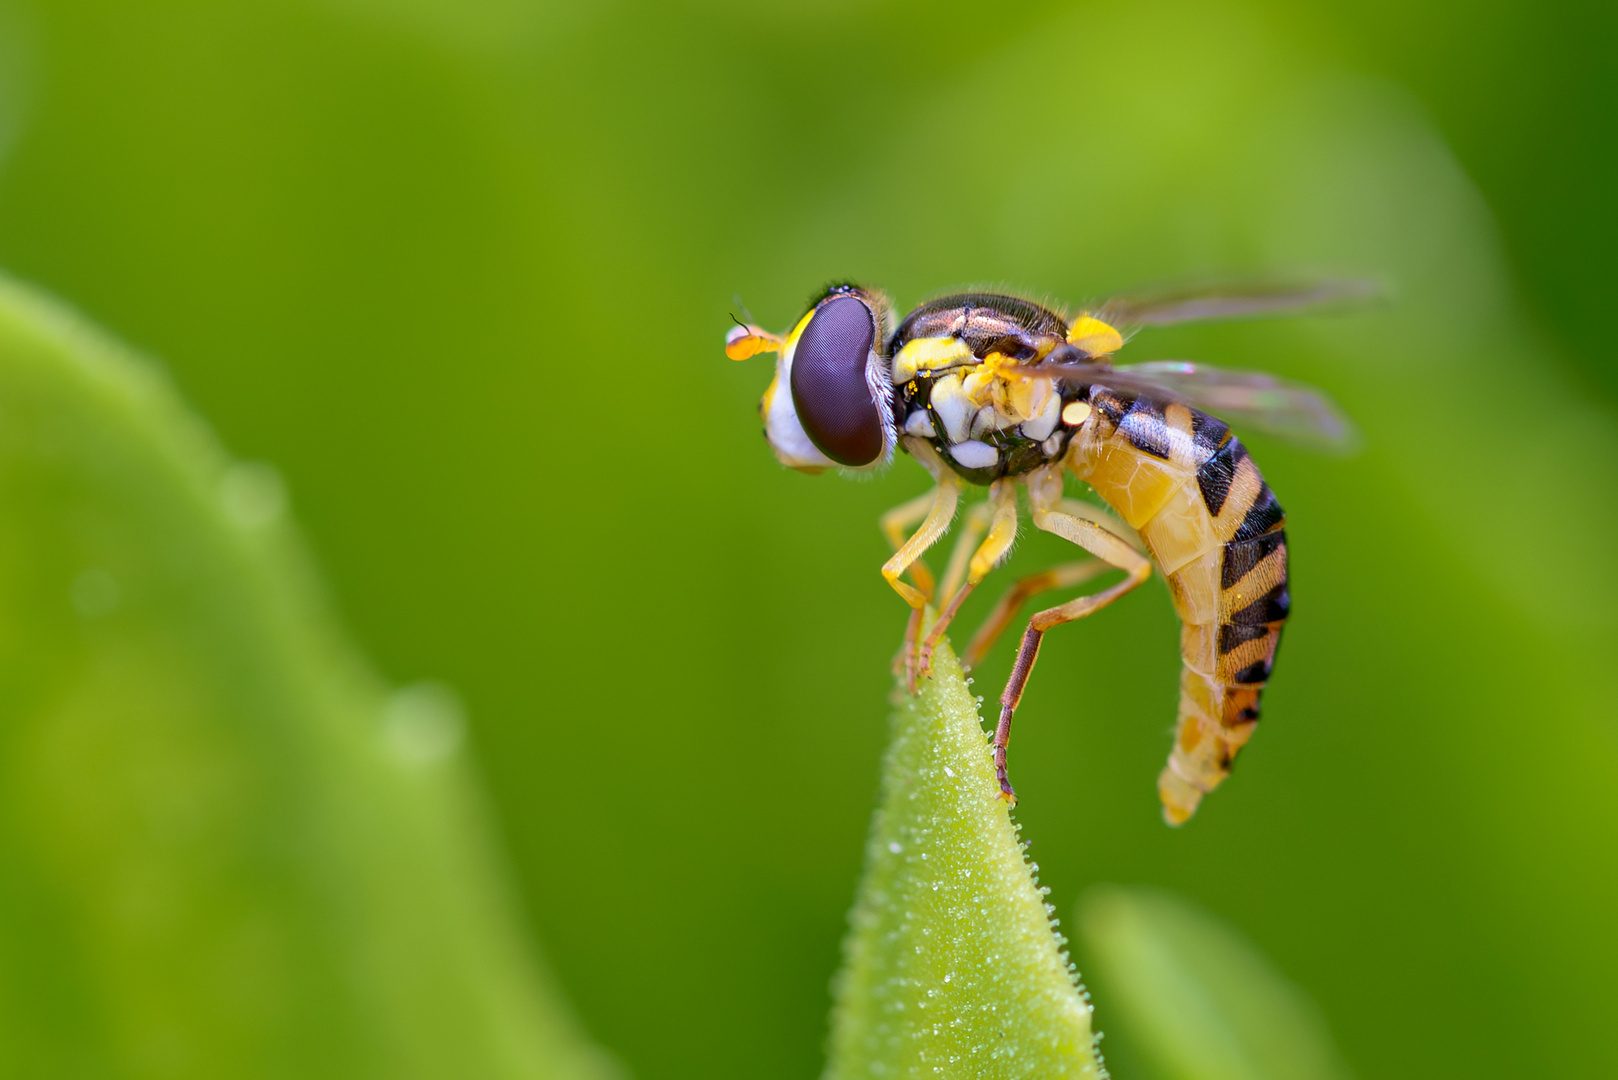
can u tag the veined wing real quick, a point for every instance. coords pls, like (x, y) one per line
(1250, 400)
(1235, 301)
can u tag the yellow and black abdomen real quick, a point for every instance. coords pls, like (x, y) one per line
(1213, 527)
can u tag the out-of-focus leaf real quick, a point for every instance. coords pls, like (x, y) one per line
(952, 966)
(1193, 997)
(228, 849)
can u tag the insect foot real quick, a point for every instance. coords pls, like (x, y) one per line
(924, 662)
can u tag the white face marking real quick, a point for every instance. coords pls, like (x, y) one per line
(782, 427)
(974, 455)
(792, 444)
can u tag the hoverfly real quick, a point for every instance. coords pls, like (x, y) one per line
(1001, 392)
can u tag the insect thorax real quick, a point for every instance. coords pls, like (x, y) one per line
(952, 386)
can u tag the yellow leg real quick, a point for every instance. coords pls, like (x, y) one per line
(972, 530)
(1111, 522)
(1002, 531)
(895, 523)
(1045, 496)
(945, 498)
(940, 513)
(898, 521)
(976, 523)
(1051, 513)
(1011, 602)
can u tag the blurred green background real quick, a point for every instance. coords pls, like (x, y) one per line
(461, 271)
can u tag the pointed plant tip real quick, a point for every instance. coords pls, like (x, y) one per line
(952, 965)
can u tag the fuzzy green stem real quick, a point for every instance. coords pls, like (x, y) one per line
(952, 966)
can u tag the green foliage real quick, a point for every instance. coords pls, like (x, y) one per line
(228, 849)
(952, 966)
(1196, 1000)
(460, 270)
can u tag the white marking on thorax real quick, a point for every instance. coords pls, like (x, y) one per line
(1040, 427)
(973, 454)
(920, 423)
(955, 410)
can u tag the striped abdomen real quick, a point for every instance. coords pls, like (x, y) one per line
(1186, 484)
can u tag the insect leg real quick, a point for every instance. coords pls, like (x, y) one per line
(1002, 531)
(945, 499)
(941, 512)
(972, 530)
(896, 522)
(1058, 577)
(1111, 522)
(1045, 494)
(936, 509)
(1011, 602)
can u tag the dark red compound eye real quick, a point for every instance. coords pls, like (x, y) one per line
(829, 391)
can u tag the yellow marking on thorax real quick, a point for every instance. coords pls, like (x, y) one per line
(954, 408)
(1093, 337)
(926, 356)
(1026, 398)
(981, 396)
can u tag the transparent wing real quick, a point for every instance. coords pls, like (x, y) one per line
(1247, 400)
(1236, 301)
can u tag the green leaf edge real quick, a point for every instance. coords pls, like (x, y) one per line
(451, 934)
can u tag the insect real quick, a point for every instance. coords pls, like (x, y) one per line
(1000, 392)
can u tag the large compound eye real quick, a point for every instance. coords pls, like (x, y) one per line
(829, 391)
